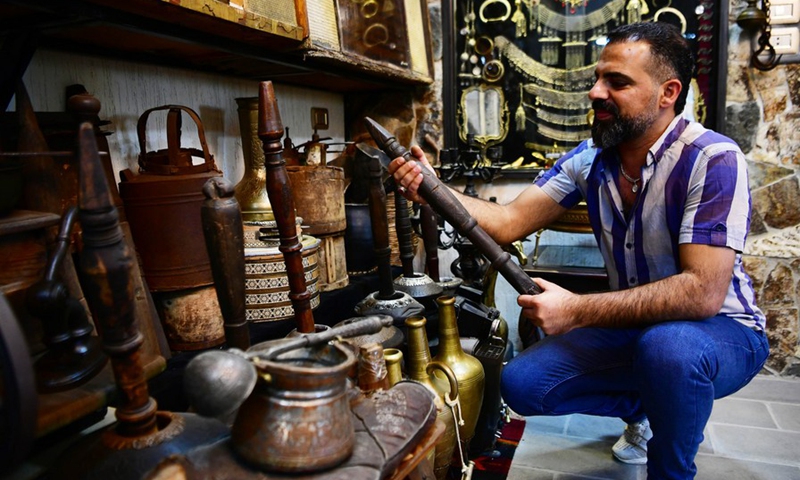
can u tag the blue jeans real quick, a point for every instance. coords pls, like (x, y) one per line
(669, 372)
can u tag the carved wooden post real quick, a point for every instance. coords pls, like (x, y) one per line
(270, 131)
(405, 241)
(380, 230)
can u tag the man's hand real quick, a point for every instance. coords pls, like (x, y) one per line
(550, 310)
(408, 175)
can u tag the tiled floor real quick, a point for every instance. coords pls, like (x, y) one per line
(752, 435)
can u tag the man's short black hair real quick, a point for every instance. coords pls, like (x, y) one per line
(671, 52)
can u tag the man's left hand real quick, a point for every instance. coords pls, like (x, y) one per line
(550, 310)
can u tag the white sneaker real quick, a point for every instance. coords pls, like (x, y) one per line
(632, 445)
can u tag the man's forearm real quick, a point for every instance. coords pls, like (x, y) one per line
(677, 297)
(489, 215)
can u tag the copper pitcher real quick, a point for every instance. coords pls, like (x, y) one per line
(298, 417)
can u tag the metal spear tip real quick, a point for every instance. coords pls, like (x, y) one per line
(378, 133)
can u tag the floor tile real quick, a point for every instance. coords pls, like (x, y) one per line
(590, 426)
(771, 389)
(591, 458)
(544, 425)
(710, 467)
(747, 413)
(525, 473)
(786, 416)
(756, 444)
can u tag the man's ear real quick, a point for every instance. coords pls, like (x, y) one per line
(670, 90)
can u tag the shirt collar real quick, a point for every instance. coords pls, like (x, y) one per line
(670, 135)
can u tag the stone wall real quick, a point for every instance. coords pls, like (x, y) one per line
(763, 116)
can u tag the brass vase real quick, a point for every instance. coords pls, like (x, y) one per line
(251, 191)
(420, 368)
(467, 369)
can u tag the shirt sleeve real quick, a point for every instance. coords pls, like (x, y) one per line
(563, 181)
(717, 210)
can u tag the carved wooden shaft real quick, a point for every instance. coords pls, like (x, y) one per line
(224, 235)
(404, 235)
(380, 229)
(270, 131)
(447, 205)
(106, 264)
(430, 237)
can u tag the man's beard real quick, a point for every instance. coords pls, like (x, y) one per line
(610, 133)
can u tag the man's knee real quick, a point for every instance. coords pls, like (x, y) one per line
(670, 348)
(519, 388)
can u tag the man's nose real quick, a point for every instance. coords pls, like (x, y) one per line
(598, 91)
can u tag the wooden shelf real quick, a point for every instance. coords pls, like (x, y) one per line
(159, 32)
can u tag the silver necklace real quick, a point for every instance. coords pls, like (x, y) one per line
(634, 181)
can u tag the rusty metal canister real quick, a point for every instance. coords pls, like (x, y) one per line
(318, 193)
(191, 318)
(163, 203)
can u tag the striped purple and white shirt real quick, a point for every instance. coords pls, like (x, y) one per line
(694, 190)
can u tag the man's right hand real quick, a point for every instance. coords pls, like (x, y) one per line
(408, 174)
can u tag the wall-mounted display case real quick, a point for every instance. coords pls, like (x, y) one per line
(541, 54)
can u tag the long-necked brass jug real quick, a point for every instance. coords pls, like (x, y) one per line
(467, 369)
(420, 368)
(251, 191)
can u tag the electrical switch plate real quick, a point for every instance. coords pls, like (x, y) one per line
(784, 12)
(786, 40)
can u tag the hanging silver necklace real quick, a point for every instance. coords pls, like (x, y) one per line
(634, 181)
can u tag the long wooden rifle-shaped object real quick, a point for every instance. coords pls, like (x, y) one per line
(447, 205)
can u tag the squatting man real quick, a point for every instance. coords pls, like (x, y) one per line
(669, 205)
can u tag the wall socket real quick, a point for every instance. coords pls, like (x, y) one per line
(786, 40)
(784, 12)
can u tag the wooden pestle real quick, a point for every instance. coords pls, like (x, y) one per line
(404, 235)
(224, 236)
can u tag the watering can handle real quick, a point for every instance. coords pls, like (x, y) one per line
(173, 142)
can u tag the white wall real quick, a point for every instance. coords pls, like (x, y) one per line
(126, 89)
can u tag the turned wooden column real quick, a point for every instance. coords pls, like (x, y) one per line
(106, 263)
(270, 131)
